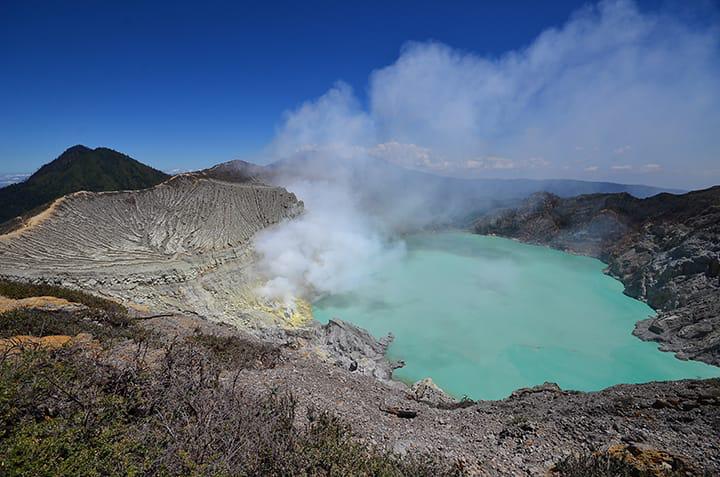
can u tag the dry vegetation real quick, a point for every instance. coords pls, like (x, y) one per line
(609, 464)
(159, 408)
(132, 402)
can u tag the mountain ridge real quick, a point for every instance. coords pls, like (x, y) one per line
(520, 187)
(77, 168)
(405, 199)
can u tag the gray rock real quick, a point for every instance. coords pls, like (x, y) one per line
(427, 391)
(182, 246)
(354, 349)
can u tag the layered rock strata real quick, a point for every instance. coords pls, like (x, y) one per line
(184, 245)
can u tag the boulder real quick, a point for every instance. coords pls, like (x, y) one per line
(426, 390)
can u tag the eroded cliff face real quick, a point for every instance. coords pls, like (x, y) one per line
(665, 250)
(181, 246)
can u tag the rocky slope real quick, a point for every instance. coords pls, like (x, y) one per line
(665, 249)
(377, 174)
(525, 434)
(183, 245)
(221, 373)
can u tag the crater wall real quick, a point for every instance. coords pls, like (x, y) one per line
(184, 245)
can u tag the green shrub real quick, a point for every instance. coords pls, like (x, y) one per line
(35, 322)
(236, 352)
(18, 290)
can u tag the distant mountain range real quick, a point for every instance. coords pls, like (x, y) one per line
(378, 171)
(378, 183)
(415, 198)
(78, 168)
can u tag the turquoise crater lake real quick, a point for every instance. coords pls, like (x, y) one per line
(483, 316)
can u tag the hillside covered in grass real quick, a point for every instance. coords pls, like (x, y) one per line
(78, 168)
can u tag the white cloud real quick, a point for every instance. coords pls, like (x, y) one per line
(619, 151)
(651, 167)
(610, 75)
(422, 158)
(334, 120)
(407, 155)
(611, 81)
(641, 85)
(493, 162)
(534, 162)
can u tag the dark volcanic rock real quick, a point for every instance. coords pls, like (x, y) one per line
(665, 249)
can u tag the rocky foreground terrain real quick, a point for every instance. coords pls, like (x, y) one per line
(665, 249)
(179, 257)
(99, 390)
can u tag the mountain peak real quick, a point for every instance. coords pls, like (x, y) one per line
(78, 148)
(78, 168)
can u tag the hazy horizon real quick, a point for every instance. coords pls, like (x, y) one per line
(8, 178)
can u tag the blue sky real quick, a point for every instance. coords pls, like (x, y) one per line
(187, 85)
